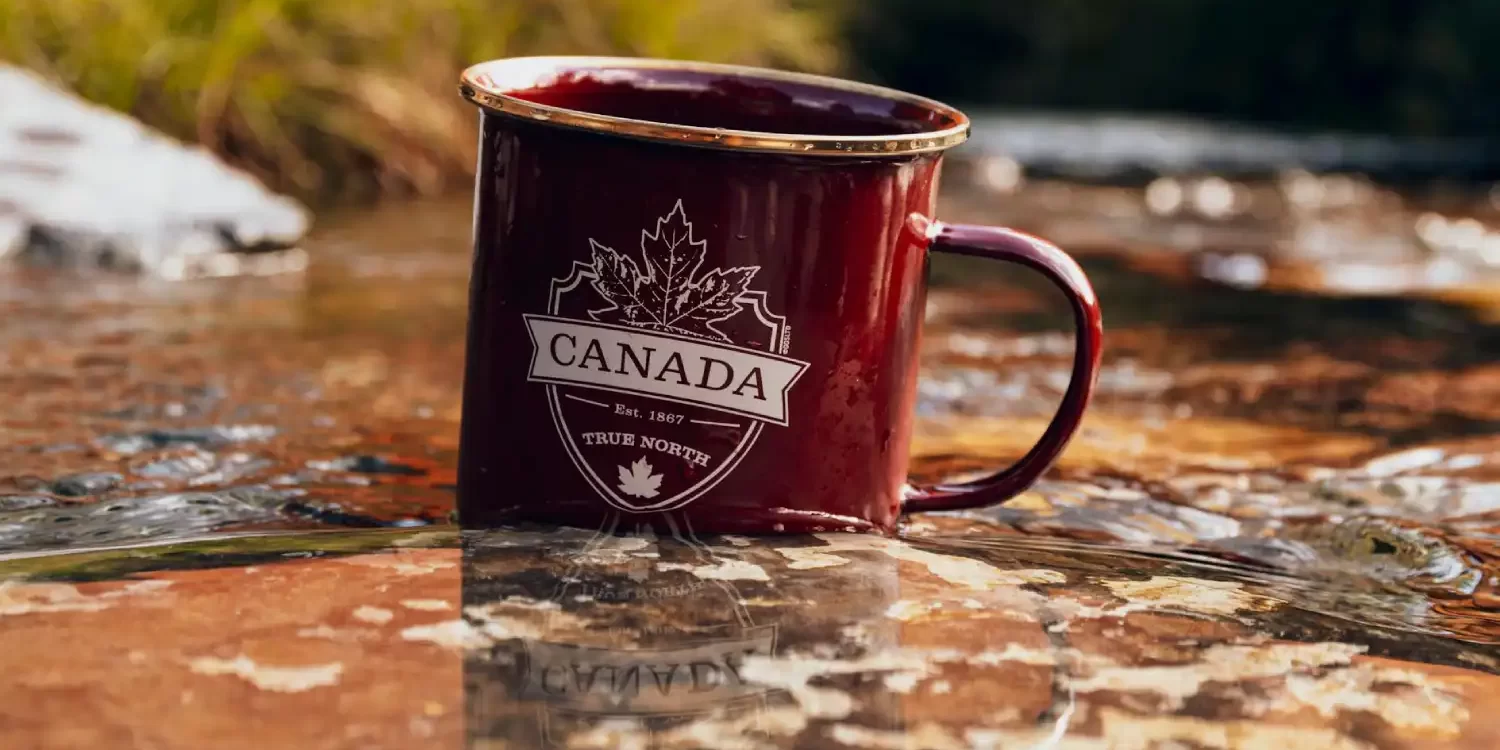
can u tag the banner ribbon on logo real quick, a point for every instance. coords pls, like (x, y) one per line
(668, 366)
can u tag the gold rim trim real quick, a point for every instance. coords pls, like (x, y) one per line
(479, 85)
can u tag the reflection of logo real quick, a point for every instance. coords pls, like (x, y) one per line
(679, 658)
(687, 678)
(658, 381)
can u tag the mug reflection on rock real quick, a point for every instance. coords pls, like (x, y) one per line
(619, 637)
(697, 295)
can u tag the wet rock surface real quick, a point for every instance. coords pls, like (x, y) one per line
(87, 189)
(1278, 527)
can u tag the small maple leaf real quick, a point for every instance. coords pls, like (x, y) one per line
(666, 293)
(638, 481)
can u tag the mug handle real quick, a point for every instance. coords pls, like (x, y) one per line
(996, 243)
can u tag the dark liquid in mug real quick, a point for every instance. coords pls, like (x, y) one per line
(713, 101)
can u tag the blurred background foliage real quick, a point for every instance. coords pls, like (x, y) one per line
(1408, 67)
(353, 98)
(348, 98)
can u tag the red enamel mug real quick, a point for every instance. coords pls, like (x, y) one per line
(697, 297)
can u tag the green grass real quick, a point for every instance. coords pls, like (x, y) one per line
(351, 99)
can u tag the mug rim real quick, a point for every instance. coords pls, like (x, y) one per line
(481, 85)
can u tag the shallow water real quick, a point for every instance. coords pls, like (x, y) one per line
(1296, 441)
(575, 638)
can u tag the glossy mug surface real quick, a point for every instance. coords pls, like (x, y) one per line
(697, 298)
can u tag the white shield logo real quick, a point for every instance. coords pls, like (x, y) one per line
(660, 374)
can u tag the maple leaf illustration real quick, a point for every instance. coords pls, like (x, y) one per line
(638, 481)
(666, 293)
(619, 281)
